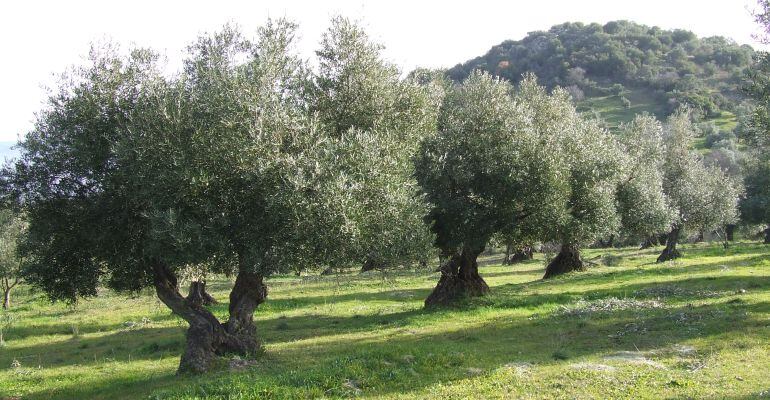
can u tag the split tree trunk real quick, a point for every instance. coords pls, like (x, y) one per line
(7, 286)
(459, 279)
(568, 260)
(670, 252)
(206, 337)
(198, 294)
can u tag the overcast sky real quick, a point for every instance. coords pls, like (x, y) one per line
(39, 39)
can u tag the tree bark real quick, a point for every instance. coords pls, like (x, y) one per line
(6, 298)
(670, 252)
(248, 292)
(730, 232)
(206, 337)
(459, 279)
(198, 294)
(568, 260)
(7, 287)
(767, 235)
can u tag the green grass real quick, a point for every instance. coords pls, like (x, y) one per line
(612, 111)
(643, 100)
(695, 328)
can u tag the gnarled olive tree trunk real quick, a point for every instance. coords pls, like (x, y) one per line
(198, 294)
(459, 278)
(670, 252)
(7, 286)
(207, 337)
(568, 260)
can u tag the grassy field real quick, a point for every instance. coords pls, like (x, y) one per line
(611, 110)
(694, 328)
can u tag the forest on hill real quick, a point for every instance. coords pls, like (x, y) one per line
(626, 65)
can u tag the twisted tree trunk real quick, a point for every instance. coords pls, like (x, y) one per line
(670, 252)
(459, 279)
(7, 286)
(206, 337)
(248, 292)
(568, 260)
(199, 295)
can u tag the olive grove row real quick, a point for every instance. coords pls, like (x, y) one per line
(249, 162)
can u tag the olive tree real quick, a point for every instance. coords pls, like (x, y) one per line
(591, 162)
(755, 206)
(642, 205)
(129, 178)
(375, 121)
(701, 197)
(488, 170)
(12, 227)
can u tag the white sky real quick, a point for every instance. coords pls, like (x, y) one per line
(41, 38)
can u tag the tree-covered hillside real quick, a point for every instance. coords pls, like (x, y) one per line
(622, 68)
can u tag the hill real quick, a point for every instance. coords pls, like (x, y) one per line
(623, 68)
(694, 328)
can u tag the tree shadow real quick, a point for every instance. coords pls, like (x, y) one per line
(322, 351)
(123, 345)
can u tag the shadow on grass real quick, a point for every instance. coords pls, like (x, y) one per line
(391, 353)
(409, 362)
(74, 329)
(135, 344)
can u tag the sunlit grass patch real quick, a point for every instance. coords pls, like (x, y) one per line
(693, 328)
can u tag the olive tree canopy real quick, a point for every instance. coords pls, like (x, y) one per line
(701, 197)
(642, 205)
